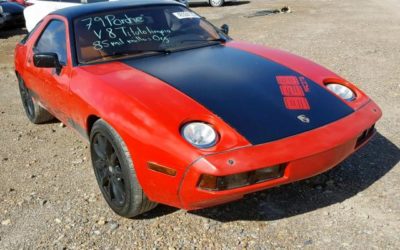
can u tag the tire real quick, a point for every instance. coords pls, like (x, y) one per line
(115, 172)
(35, 113)
(216, 3)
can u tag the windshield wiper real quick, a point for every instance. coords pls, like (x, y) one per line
(138, 52)
(221, 40)
(119, 54)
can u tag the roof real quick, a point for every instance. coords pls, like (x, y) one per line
(87, 9)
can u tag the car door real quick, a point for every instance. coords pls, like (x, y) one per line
(54, 89)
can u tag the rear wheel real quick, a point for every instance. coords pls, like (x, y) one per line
(35, 113)
(115, 172)
(216, 3)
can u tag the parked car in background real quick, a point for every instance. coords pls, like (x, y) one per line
(40, 8)
(214, 3)
(185, 2)
(11, 14)
(22, 2)
(2, 18)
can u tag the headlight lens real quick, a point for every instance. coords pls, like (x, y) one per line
(342, 91)
(199, 134)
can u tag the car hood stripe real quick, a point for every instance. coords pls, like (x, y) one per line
(261, 99)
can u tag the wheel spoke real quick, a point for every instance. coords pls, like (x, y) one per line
(118, 172)
(110, 190)
(104, 176)
(105, 180)
(118, 190)
(99, 147)
(113, 160)
(100, 164)
(108, 170)
(98, 151)
(109, 151)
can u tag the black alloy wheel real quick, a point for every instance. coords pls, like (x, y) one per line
(108, 170)
(115, 172)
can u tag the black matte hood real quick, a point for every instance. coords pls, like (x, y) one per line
(262, 100)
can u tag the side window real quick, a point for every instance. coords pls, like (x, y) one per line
(53, 39)
(30, 34)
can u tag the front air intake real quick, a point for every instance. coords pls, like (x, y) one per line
(365, 136)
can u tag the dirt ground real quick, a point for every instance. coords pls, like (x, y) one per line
(49, 197)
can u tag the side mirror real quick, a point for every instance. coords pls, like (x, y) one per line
(225, 29)
(47, 60)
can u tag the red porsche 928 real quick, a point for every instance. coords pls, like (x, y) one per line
(178, 113)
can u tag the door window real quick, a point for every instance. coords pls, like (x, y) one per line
(53, 39)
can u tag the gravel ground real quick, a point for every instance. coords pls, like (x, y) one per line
(49, 197)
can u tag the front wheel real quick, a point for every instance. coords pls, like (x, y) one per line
(115, 172)
(216, 3)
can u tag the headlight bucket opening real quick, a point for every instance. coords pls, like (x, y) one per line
(200, 134)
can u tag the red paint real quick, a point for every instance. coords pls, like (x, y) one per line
(288, 90)
(149, 124)
(293, 95)
(287, 80)
(296, 103)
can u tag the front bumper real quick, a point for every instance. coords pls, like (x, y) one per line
(304, 155)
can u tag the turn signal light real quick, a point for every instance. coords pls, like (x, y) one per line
(220, 183)
(162, 169)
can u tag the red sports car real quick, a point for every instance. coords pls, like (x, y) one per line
(178, 113)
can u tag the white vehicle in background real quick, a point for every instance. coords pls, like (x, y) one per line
(41, 8)
(214, 3)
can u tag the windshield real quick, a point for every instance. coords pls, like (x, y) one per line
(140, 31)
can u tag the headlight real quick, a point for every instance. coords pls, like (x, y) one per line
(1, 10)
(342, 91)
(199, 134)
